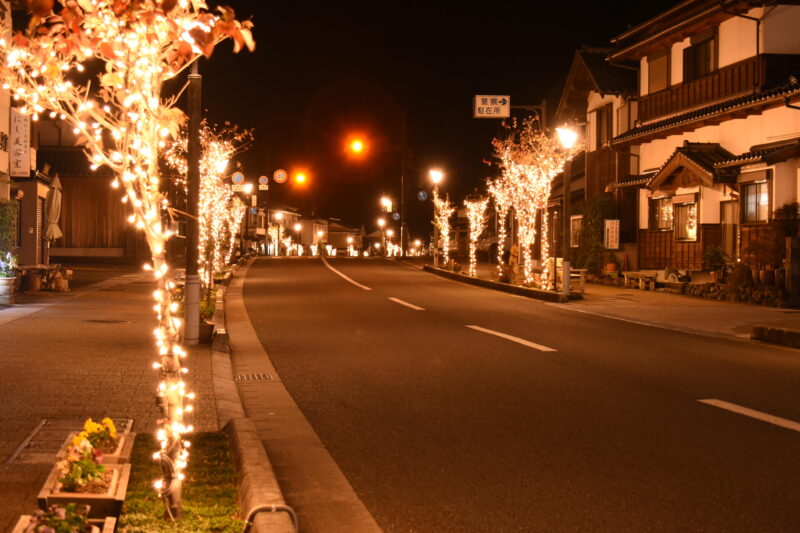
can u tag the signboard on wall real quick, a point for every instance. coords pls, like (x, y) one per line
(20, 145)
(611, 234)
(491, 106)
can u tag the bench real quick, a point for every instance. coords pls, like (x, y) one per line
(645, 281)
(577, 279)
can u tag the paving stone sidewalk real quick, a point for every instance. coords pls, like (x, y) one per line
(66, 357)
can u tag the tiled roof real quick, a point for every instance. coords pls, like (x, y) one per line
(741, 102)
(68, 161)
(701, 157)
(608, 79)
(771, 154)
(637, 179)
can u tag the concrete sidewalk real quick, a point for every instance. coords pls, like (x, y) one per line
(66, 357)
(677, 312)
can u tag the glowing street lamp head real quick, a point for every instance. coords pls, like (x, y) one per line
(298, 227)
(390, 232)
(349, 240)
(356, 146)
(301, 178)
(377, 245)
(417, 243)
(320, 233)
(567, 137)
(385, 202)
(436, 175)
(248, 188)
(278, 216)
(381, 222)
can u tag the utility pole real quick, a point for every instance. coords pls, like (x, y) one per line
(191, 294)
(403, 155)
(565, 275)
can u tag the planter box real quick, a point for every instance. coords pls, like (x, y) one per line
(105, 525)
(7, 290)
(120, 456)
(102, 505)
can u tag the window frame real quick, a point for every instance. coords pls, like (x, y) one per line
(690, 55)
(575, 230)
(743, 186)
(652, 214)
(604, 125)
(684, 205)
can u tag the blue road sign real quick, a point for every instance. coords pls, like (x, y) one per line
(253, 210)
(237, 178)
(396, 216)
(422, 195)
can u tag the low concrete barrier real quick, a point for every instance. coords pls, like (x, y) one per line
(774, 335)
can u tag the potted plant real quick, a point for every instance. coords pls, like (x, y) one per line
(70, 518)
(8, 276)
(8, 262)
(81, 478)
(715, 260)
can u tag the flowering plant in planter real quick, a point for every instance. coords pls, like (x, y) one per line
(8, 265)
(102, 436)
(81, 470)
(70, 518)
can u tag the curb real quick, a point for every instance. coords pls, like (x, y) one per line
(258, 487)
(775, 335)
(527, 292)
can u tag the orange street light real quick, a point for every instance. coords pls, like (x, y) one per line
(301, 179)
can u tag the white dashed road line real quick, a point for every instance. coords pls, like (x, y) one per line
(411, 306)
(752, 413)
(344, 277)
(512, 338)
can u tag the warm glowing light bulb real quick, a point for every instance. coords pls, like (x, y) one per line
(300, 178)
(357, 146)
(567, 137)
(436, 176)
(381, 222)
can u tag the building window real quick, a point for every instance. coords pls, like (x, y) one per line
(754, 198)
(658, 72)
(685, 221)
(575, 224)
(604, 125)
(701, 57)
(660, 214)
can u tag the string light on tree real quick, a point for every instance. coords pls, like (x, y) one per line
(443, 210)
(502, 195)
(123, 122)
(475, 205)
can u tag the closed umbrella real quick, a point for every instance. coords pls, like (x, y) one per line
(52, 207)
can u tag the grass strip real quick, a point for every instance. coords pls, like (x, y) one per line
(209, 490)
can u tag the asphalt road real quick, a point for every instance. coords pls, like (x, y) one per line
(574, 423)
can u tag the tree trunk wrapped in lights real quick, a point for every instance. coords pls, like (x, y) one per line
(501, 193)
(530, 160)
(476, 214)
(218, 146)
(443, 210)
(123, 123)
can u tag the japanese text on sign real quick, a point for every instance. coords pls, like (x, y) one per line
(491, 106)
(20, 149)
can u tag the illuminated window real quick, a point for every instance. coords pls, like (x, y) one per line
(754, 199)
(685, 221)
(658, 72)
(660, 213)
(701, 57)
(575, 223)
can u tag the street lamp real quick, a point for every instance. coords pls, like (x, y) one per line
(568, 138)
(436, 177)
(386, 204)
(297, 227)
(381, 224)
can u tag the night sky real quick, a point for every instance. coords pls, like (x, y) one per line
(324, 71)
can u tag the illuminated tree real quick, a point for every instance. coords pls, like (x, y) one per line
(443, 210)
(501, 192)
(476, 205)
(215, 210)
(123, 122)
(530, 160)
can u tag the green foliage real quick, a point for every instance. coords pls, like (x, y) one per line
(8, 237)
(82, 471)
(209, 491)
(787, 220)
(590, 250)
(207, 306)
(71, 518)
(715, 258)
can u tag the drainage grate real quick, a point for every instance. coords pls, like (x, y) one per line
(103, 321)
(245, 378)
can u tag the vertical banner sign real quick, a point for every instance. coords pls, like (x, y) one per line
(611, 234)
(20, 149)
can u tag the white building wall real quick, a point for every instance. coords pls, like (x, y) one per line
(644, 194)
(784, 183)
(736, 136)
(643, 76)
(779, 30)
(737, 39)
(709, 204)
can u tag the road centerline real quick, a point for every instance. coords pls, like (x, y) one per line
(512, 338)
(752, 413)
(409, 305)
(344, 276)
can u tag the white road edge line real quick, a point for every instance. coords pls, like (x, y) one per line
(344, 277)
(412, 306)
(752, 413)
(512, 338)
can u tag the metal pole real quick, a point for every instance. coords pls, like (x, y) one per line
(435, 229)
(191, 294)
(566, 244)
(403, 149)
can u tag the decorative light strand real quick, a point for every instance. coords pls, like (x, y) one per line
(443, 210)
(476, 214)
(123, 122)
